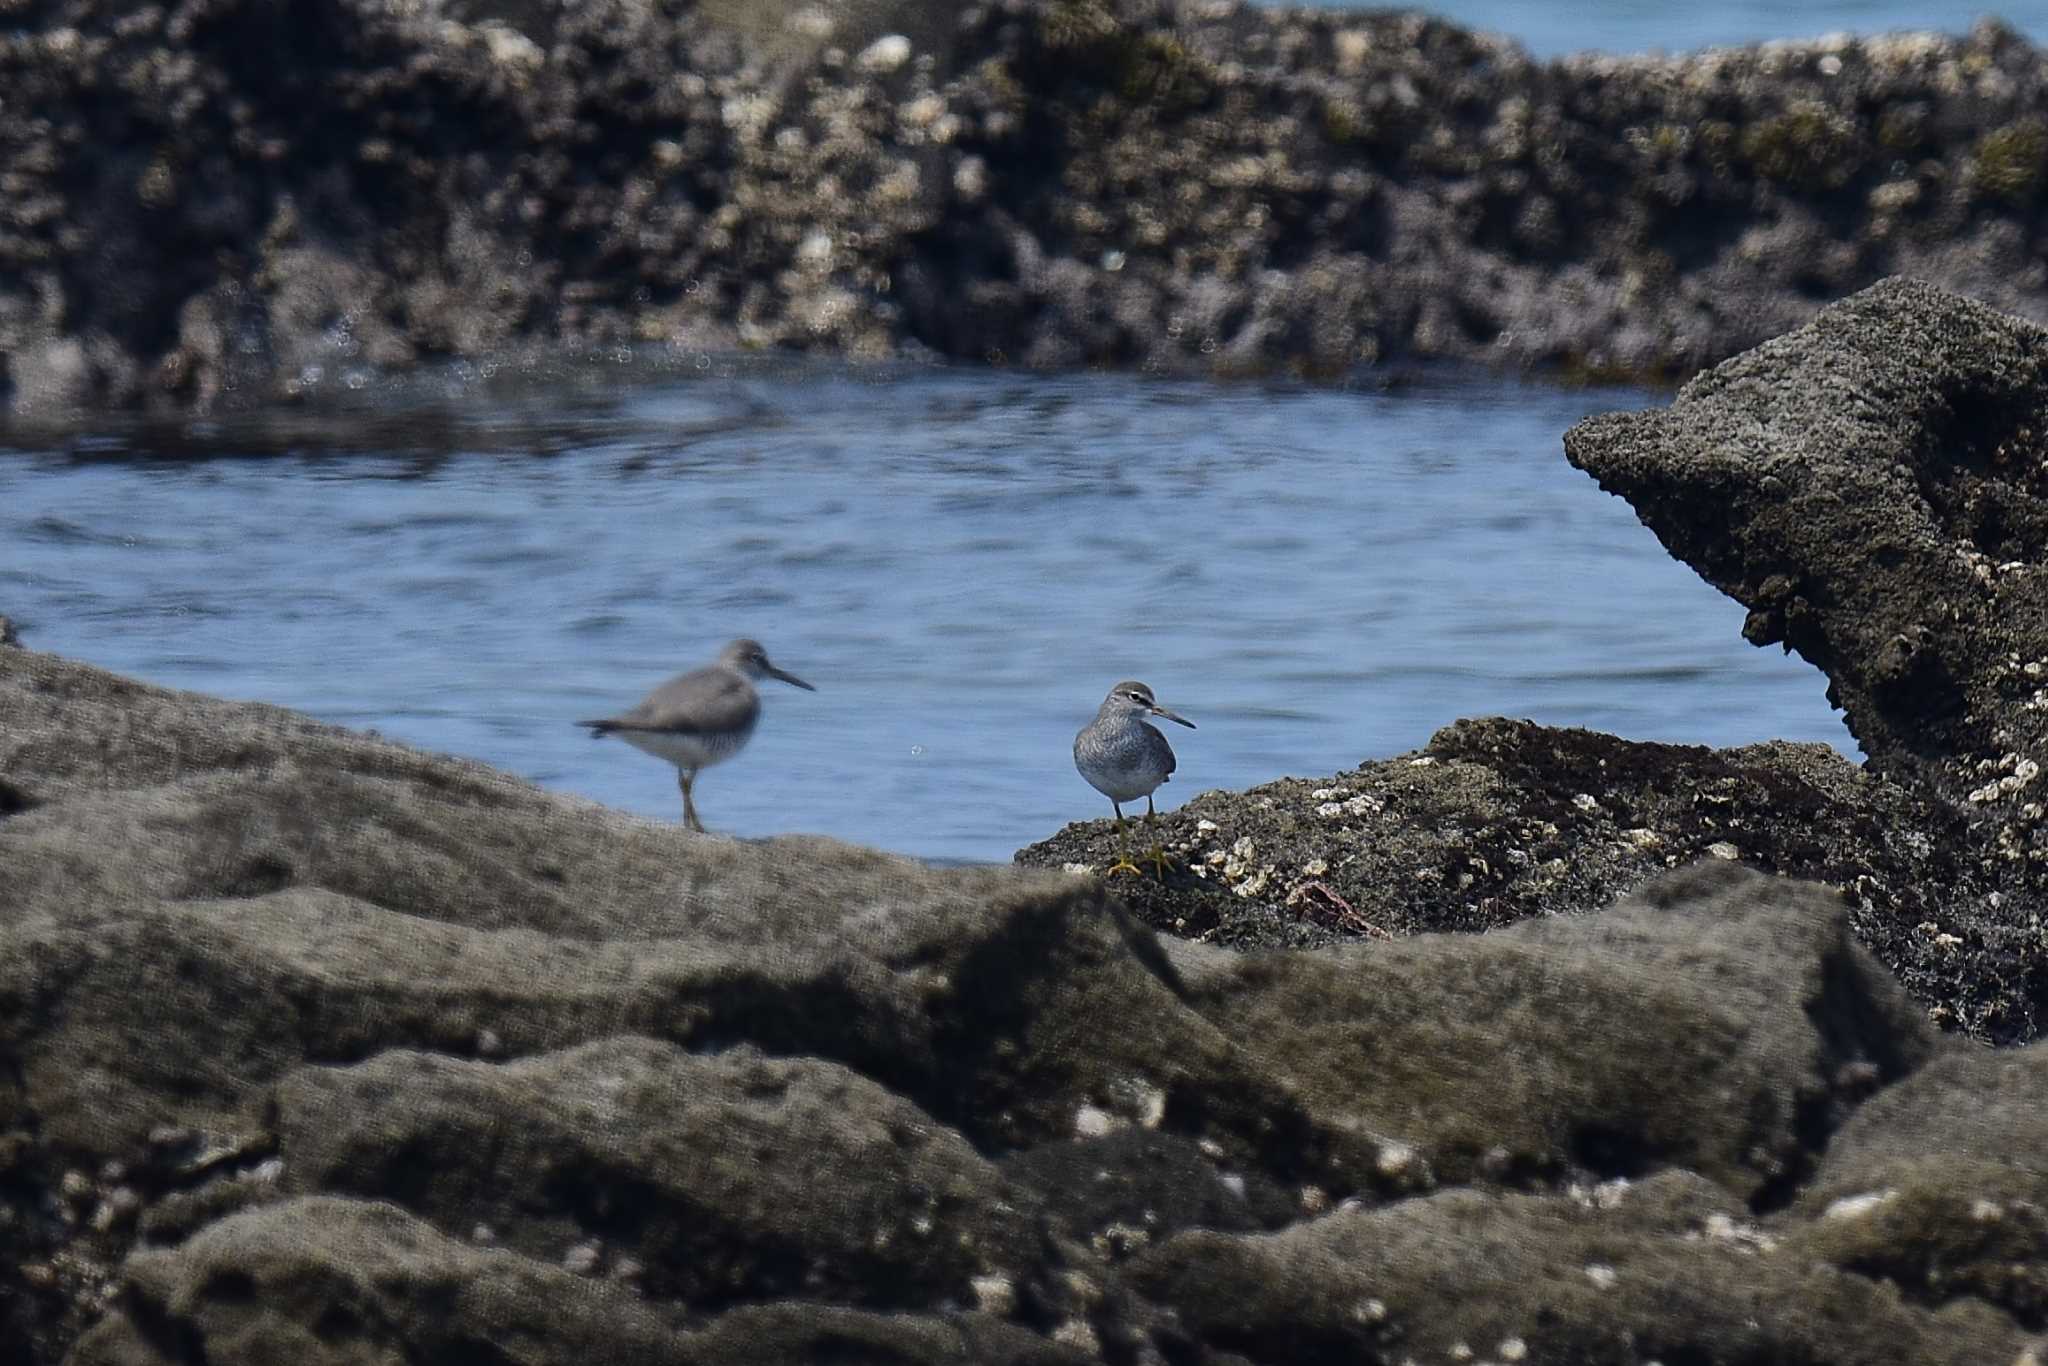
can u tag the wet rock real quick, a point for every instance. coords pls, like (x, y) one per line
(1130, 1188)
(332, 1281)
(345, 1281)
(217, 894)
(1870, 488)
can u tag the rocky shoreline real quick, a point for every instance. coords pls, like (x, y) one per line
(219, 203)
(316, 1048)
(1871, 487)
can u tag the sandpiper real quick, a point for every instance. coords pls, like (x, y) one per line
(1125, 759)
(699, 718)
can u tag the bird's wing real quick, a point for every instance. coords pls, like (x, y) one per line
(1165, 750)
(691, 703)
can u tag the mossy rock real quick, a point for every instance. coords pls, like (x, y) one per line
(1662, 1270)
(2010, 164)
(1809, 147)
(1938, 1185)
(1144, 67)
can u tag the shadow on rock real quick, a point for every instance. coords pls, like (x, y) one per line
(320, 1049)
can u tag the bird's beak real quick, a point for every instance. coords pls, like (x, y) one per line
(1173, 716)
(790, 679)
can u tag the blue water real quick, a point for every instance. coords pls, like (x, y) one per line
(1646, 25)
(961, 561)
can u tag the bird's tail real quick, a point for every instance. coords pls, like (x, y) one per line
(599, 729)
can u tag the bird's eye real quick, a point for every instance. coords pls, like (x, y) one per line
(1139, 698)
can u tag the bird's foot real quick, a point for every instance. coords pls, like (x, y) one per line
(1161, 861)
(1123, 864)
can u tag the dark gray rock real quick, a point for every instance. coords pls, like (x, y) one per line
(317, 1048)
(1938, 1187)
(1599, 1056)
(216, 893)
(329, 1282)
(1126, 1189)
(716, 1178)
(1666, 1270)
(1498, 821)
(220, 202)
(1867, 485)
(1871, 488)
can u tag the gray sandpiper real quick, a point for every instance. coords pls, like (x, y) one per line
(1125, 759)
(699, 718)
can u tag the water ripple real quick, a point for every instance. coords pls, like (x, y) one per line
(961, 562)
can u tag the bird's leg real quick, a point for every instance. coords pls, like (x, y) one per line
(685, 777)
(1123, 862)
(1158, 858)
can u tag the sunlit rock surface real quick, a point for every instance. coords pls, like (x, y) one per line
(322, 1049)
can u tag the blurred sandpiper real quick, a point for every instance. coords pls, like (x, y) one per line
(1125, 759)
(699, 718)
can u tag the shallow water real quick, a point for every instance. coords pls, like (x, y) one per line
(1674, 26)
(961, 561)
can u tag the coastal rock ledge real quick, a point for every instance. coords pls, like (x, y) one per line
(210, 203)
(1874, 488)
(318, 1049)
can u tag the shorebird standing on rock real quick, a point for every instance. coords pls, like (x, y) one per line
(699, 718)
(1125, 759)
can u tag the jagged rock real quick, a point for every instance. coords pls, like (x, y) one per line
(322, 1048)
(1133, 1186)
(1666, 1270)
(222, 202)
(1497, 821)
(1937, 1185)
(1871, 488)
(1721, 1022)
(328, 1282)
(720, 1178)
(376, 897)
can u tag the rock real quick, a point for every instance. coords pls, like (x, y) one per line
(1736, 1068)
(1220, 188)
(1138, 1185)
(341, 1281)
(1937, 1186)
(319, 1048)
(1497, 821)
(345, 1281)
(1666, 1268)
(1868, 487)
(722, 1175)
(299, 893)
